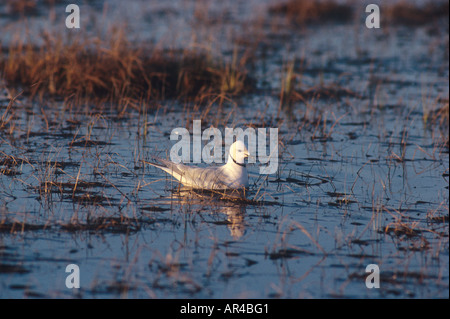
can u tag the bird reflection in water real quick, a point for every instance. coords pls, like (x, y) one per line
(230, 203)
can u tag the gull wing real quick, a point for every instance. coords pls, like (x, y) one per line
(196, 177)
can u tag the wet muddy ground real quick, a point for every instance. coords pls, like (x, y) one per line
(362, 179)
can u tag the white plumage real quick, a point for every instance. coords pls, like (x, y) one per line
(232, 175)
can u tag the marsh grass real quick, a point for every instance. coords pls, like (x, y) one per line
(303, 12)
(22, 7)
(437, 116)
(95, 184)
(310, 12)
(410, 14)
(118, 71)
(10, 165)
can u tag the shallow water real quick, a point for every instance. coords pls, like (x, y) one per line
(362, 179)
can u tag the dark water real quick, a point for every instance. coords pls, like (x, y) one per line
(362, 178)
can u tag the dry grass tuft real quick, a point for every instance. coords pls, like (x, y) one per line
(28, 7)
(21, 7)
(439, 117)
(405, 13)
(115, 71)
(303, 12)
(310, 12)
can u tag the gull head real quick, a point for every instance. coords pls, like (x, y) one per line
(238, 153)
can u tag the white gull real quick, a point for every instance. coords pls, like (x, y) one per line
(232, 175)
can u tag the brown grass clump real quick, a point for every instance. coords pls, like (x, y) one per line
(307, 12)
(22, 7)
(117, 70)
(406, 13)
(28, 7)
(402, 13)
